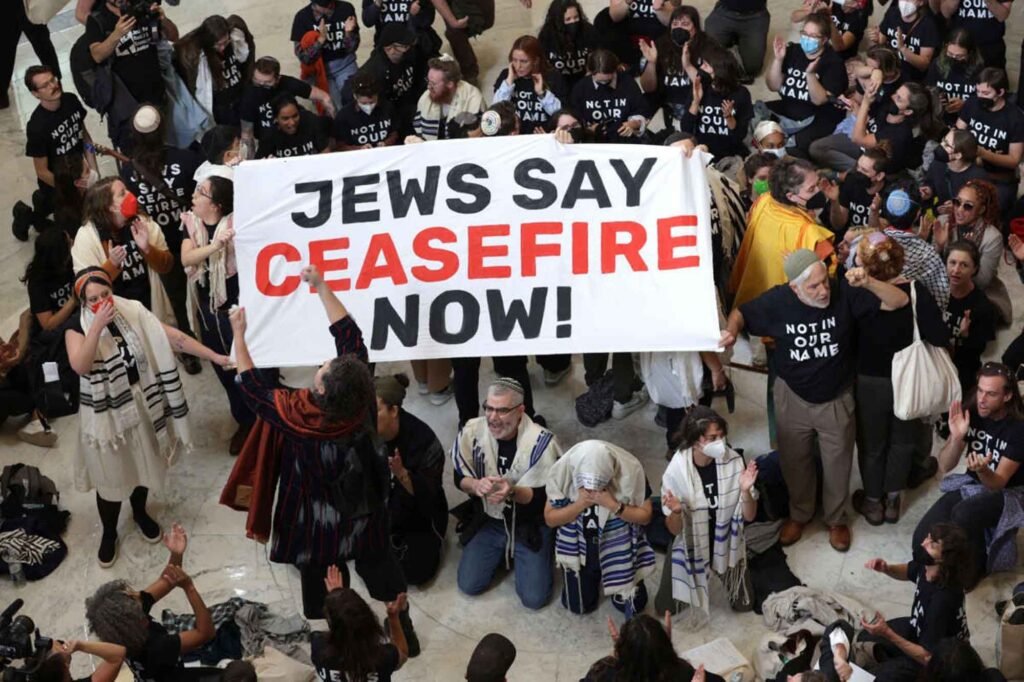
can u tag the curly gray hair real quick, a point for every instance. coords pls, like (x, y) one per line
(115, 616)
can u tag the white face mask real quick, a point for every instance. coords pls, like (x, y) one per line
(716, 449)
(907, 8)
(778, 153)
(366, 108)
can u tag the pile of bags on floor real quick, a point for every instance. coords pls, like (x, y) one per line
(31, 524)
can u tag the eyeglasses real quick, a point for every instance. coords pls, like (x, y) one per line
(500, 411)
(810, 35)
(966, 205)
(51, 82)
(201, 193)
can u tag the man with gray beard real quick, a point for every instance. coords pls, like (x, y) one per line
(814, 336)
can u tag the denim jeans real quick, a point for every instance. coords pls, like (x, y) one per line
(338, 73)
(486, 551)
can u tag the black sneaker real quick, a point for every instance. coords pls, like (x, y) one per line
(150, 529)
(22, 214)
(108, 550)
(191, 364)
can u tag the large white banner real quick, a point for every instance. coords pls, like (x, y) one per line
(504, 246)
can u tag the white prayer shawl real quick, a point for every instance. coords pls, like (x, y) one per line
(212, 272)
(692, 558)
(475, 454)
(108, 405)
(626, 557)
(673, 379)
(88, 251)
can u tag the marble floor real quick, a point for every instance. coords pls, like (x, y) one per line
(552, 644)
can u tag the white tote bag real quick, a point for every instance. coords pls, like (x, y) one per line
(924, 379)
(41, 11)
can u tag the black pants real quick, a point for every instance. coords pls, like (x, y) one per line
(674, 417)
(554, 363)
(16, 23)
(1013, 356)
(459, 40)
(15, 393)
(975, 515)
(994, 54)
(885, 445)
(216, 334)
(466, 382)
(596, 364)
(381, 573)
(419, 554)
(893, 664)
(176, 285)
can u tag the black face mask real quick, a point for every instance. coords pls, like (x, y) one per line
(573, 29)
(679, 36)
(986, 103)
(576, 134)
(893, 109)
(856, 178)
(941, 154)
(705, 77)
(816, 201)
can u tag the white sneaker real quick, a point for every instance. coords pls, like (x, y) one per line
(423, 388)
(623, 410)
(442, 396)
(37, 434)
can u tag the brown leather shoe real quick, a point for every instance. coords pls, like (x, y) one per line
(839, 538)
(238, 440)
(791, 532)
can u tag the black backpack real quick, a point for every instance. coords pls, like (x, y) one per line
(595, 406)
(24, 489)
(94, 82)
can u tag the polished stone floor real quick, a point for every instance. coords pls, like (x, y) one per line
(553, 645)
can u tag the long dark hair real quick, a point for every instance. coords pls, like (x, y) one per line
(960, 37)
(51, 259)
(644, 651)
(725, 68)
(1014, 408)
(222, 193)
(953, 661)
(96, 208)
(553, 32)
(203, 38)
(927, 110)
(68, 198)
(356, 635)
(956, 569)
(694, 426)
(670, 55)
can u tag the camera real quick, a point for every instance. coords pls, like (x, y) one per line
(140, 10)
(20, 641)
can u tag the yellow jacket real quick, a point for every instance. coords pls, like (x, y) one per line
(773, 231)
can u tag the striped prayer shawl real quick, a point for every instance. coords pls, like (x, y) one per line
(427, 122)
(108, 405)
(692, 554)
(625, 555)
(475, 454)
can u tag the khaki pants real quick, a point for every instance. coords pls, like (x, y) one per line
(798, 423)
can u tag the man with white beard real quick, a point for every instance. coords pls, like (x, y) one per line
(814, 334)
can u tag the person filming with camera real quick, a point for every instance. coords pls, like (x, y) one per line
(127, 32)
(56, 666)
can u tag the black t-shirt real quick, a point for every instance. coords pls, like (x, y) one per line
(947, 183)
(395, 12)
(882, 334)
(570, 60)
(900, 137)
(528, 102)
(977, 18)
(226, 100)
(923, 32)
(328, 668)
(506, 455)
(159, 661)
(855, 22)
(1002, 438)
(642, 20)
(967, 350)
(994, 130)
(602, 103)
(50, 295)
(178, 174)
(855, 197)
(133, 282)
(334, 48)
(255, 107)
(956, 83)
(709, 124)
(814, 346)
(135, 56)
(709, 481)
(309, 138)
(353, 127)
(937, 612)
(54, 134)
(795, 98)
